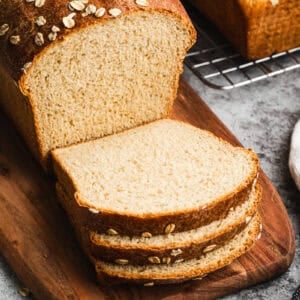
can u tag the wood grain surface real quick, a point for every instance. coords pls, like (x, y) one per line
(38, 243)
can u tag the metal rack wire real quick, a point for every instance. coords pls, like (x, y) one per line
(217, 64)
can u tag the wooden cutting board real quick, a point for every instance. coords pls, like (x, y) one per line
(38, 243)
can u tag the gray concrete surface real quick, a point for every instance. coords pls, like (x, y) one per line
(262, 117)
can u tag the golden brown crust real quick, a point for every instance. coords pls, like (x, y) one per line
(109, 277)
(143, 257)
(21, 15)
(256, 28)
(22, 113)
(140, 253)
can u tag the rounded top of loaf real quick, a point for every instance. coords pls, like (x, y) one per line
(29, 27)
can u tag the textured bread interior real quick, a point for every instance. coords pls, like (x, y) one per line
(107, 77)
(176, 240)
(153, 169)
(191, 268)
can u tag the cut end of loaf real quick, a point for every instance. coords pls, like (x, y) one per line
(192, 169)
(107, 77)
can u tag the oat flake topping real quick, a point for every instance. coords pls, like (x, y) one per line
(40, 21)
(39, 39)
(3, 29)
(89, 10)
(100, 12)
(26, 66)
(114, 12)
(68, 21)
(15, 39)
(55, 29)
(76, 5)
(142, 2)
(52, 36)
(37, 3)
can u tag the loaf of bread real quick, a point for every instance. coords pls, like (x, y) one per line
(181, 271)
(159, 178)
(165, 193)
(256, 28)
(167, 248)
(73, 71)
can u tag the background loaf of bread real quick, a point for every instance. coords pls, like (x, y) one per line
(256, 28)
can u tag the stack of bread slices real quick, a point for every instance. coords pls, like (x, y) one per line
(91, 84)
(161, 203)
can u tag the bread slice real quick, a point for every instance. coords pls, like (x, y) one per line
(160, 178)
(69, 76)
(162, 274)
(256, 28)
(175, 246)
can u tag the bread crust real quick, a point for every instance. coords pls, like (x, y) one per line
(22, 113)
(140, 253)
(109, 277)
(143, 256)
(256, 28)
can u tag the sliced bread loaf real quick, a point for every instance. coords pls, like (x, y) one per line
(160, 178)
(149, 275)
(174, 246)
(72, 71)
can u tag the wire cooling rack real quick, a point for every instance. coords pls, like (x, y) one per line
(217, 64)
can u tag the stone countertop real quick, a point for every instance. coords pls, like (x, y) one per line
(262, 117)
